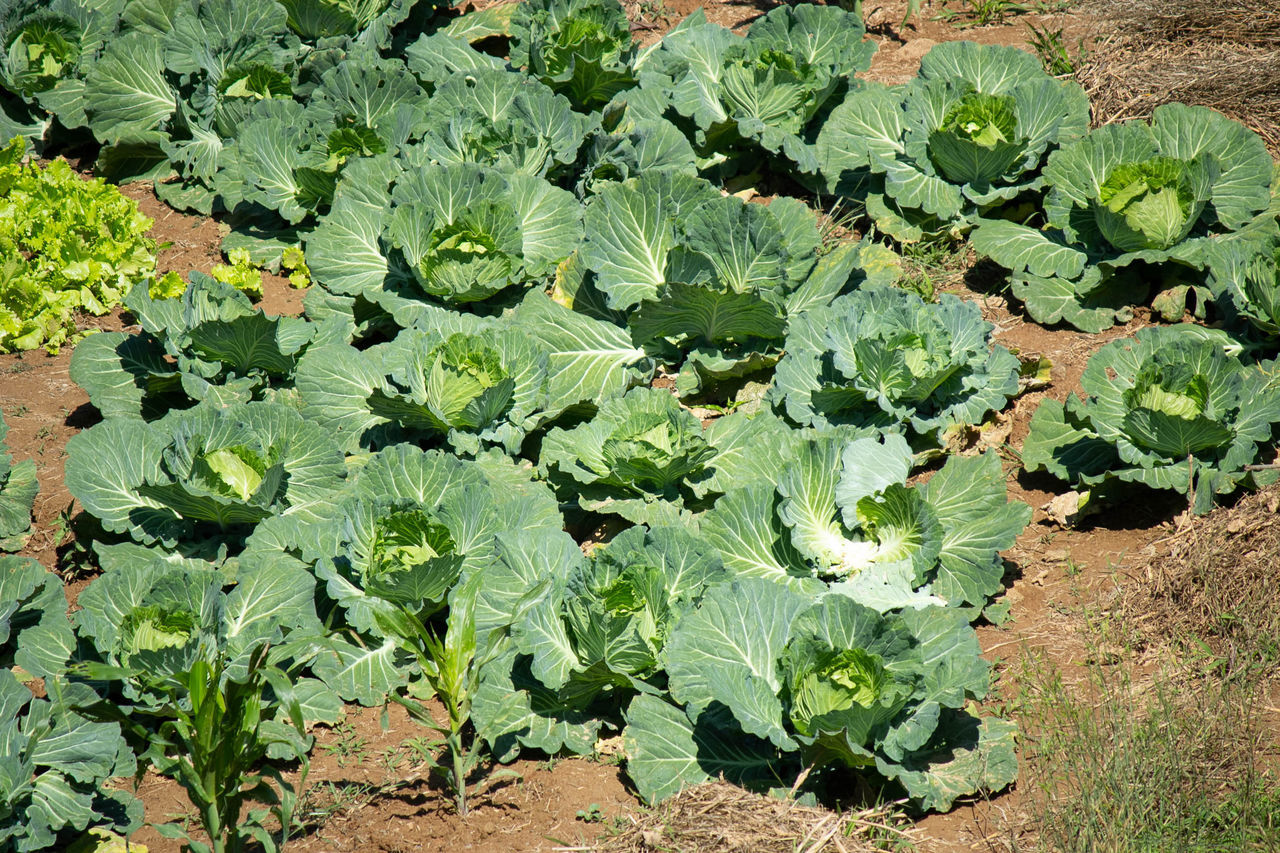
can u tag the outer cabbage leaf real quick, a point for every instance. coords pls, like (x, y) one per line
(18, 490)
(53, 767)
(35, 634)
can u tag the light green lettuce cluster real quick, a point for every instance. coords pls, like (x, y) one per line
(67, 246)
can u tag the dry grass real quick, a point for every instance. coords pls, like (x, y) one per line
(721, 818)
(1223, 54)
(1215, 582)
(1243, 22)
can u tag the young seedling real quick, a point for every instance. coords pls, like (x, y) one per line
(214, 737)
(452, 666)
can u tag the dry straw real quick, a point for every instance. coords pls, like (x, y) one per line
(1223, 54)
(724, 818)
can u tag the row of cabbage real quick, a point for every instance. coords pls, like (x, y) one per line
(505, 259)
(260, 479)
(257, 109)
(391, 461)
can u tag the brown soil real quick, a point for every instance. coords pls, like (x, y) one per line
(367, 793)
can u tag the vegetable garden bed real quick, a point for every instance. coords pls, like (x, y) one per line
(583, 472)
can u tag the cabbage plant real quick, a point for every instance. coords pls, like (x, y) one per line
(639, 457)
(406, 526)
(471, 387)
(459, 235)
(581, 49)
(593, 639)
(1167, 409)
(707, 281)
(836, 515)
(1244, 272)
(1128, 213)
(768, 685)
(504, 119)
(968, 136)
(289, 156)
(766, 94)
(882, 357)
(154, 613)
(18, 490)
(208, 342)
(203, 475)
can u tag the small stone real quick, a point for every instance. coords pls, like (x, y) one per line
(1057, 555)
(652, 838)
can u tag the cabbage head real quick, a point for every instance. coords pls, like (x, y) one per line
(638, 457)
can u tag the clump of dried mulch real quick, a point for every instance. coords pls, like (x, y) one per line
(1223, 54)
(721, 818)
(1215, 579)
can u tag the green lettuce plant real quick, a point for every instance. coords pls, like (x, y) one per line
(67, 245)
